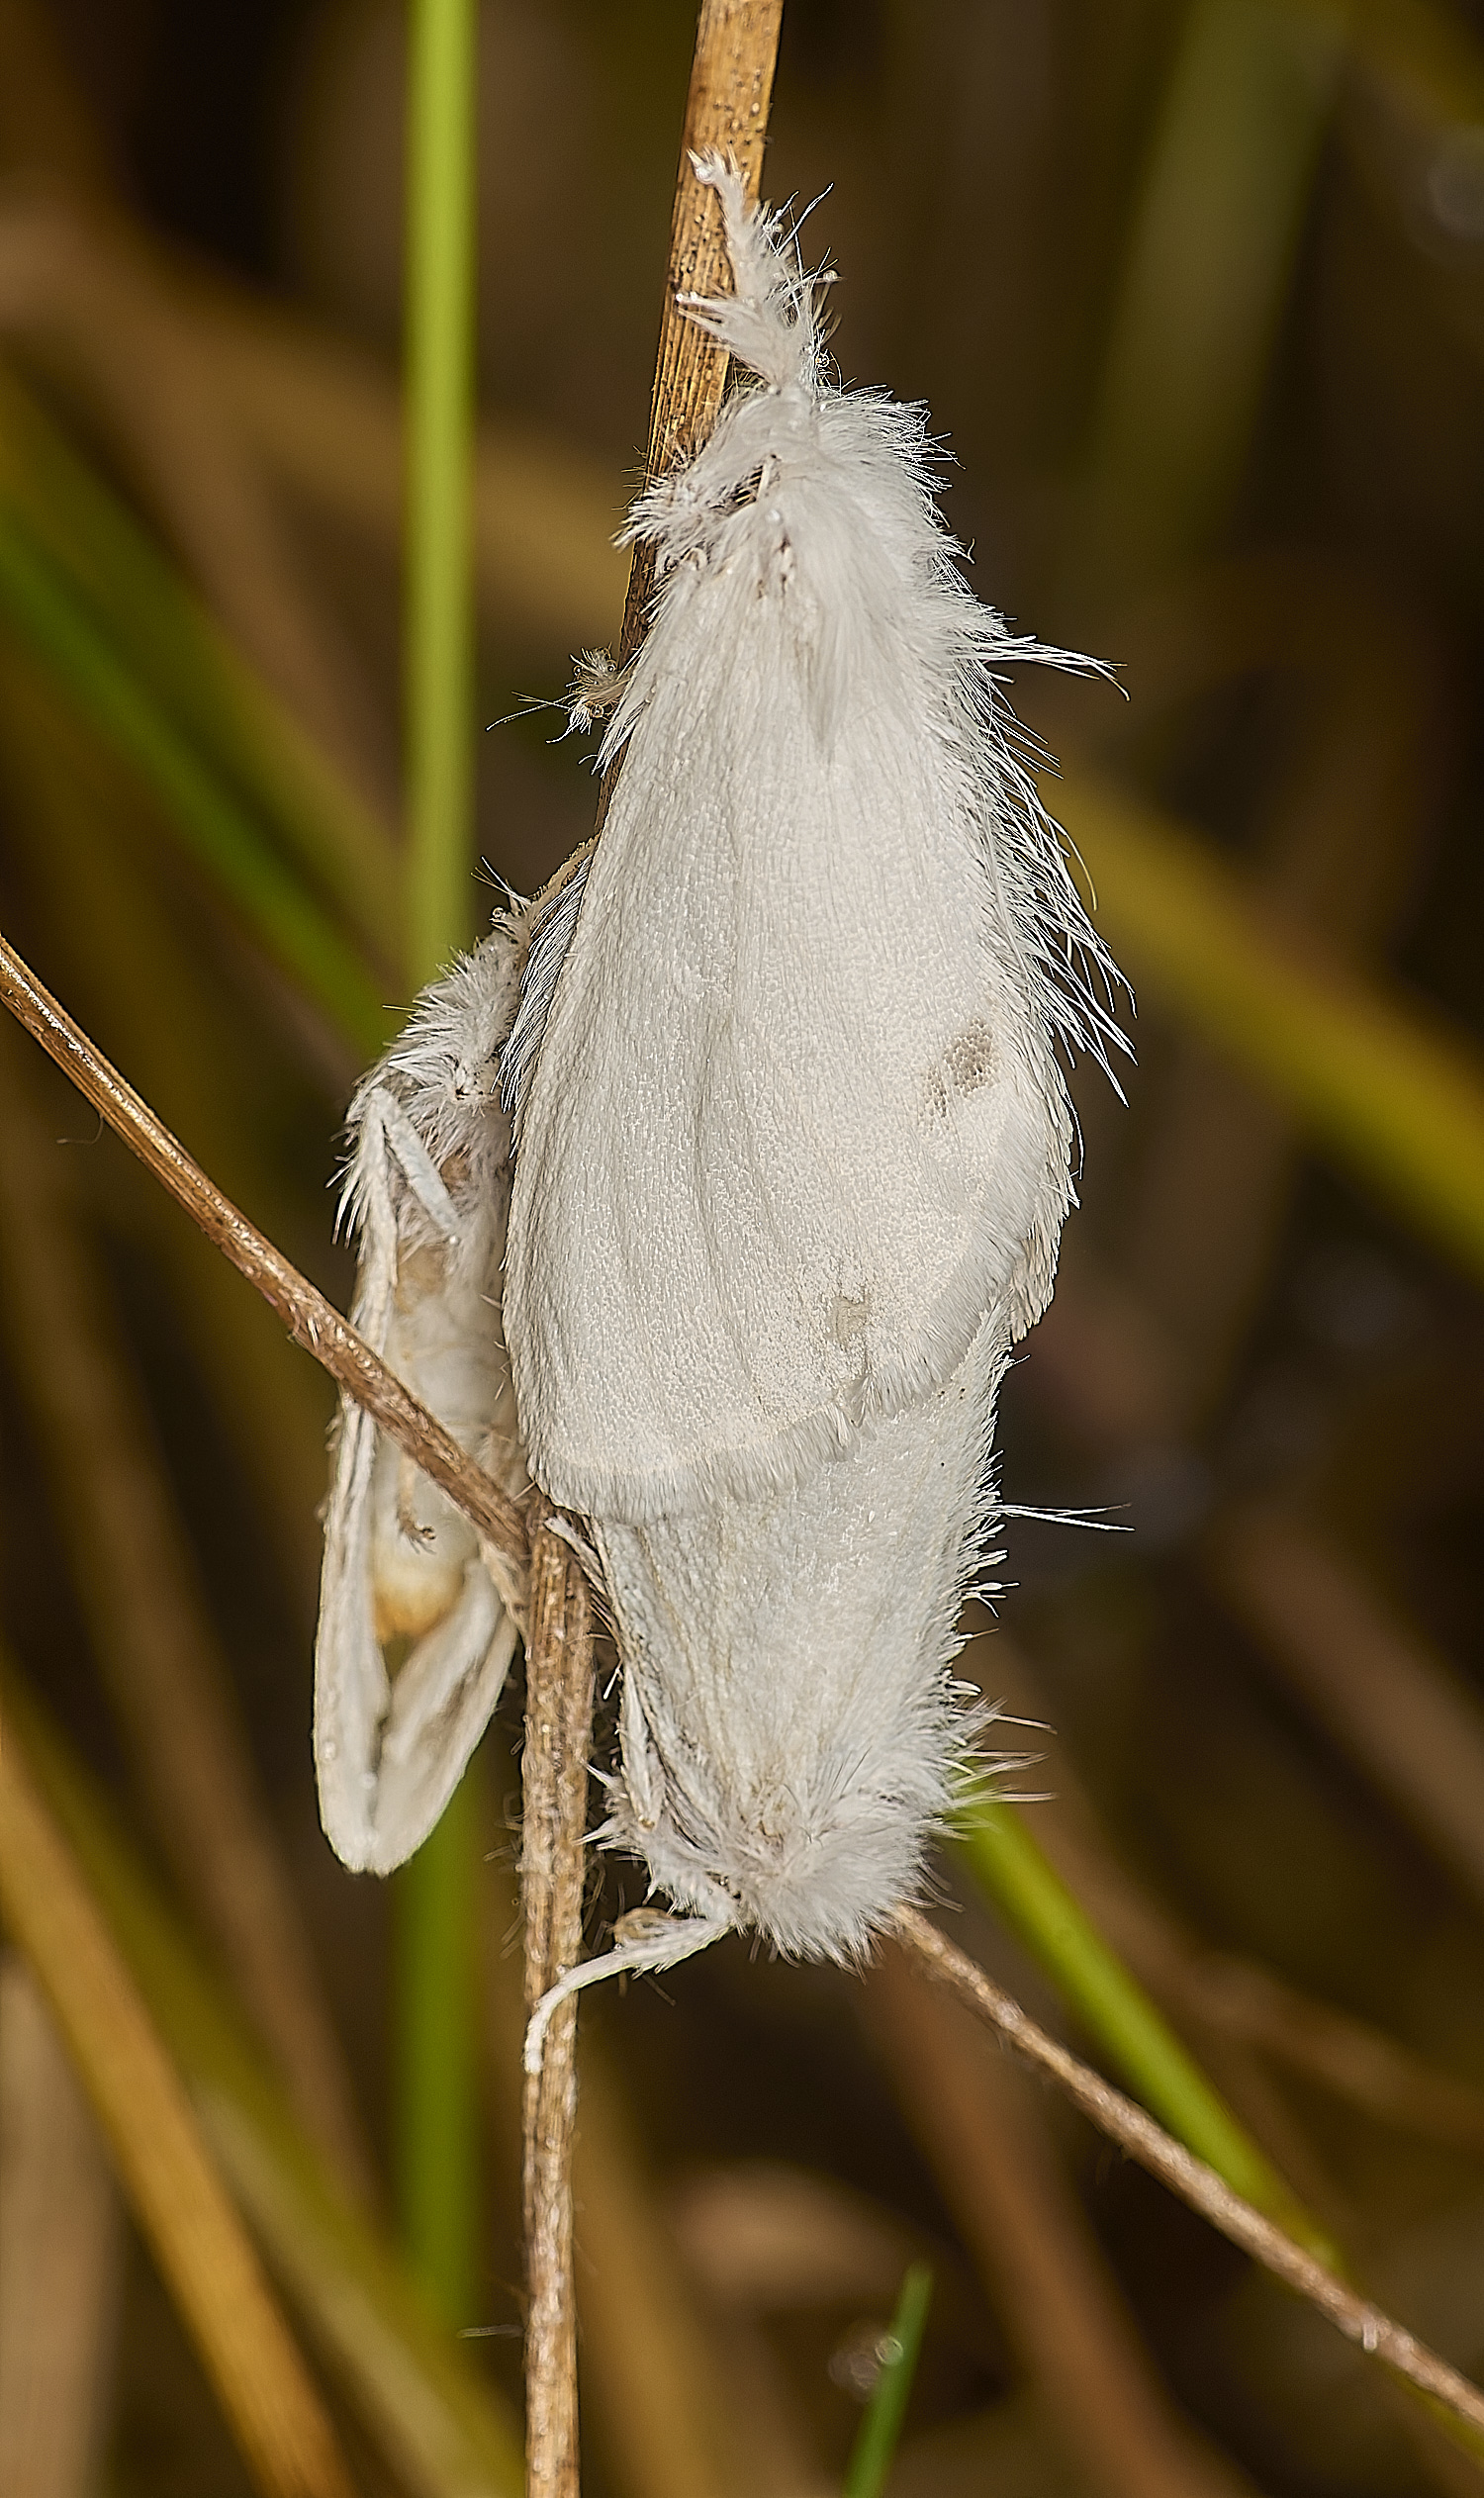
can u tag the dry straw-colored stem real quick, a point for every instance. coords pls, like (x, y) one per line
(1137, 2134)
(666, 2417)
(554, 1783)
(726, 107)
(200, 2245)
(1241, 2002)
(166, 1680)
(1396, 1708)
(1058, 2300)
(311, 1320)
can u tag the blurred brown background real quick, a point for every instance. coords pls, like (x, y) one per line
(1195, 292)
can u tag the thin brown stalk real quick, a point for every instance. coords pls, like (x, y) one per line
(327, 424)
(726, 107)
(648, 2362)
(1356, 2062)
(554, 1783)
(428, 2411)
(275, 2411)
(1138, 2134)
(1331, 844)
(48, 137)
(1059, 2304)
(313, 1322)
(166, 1679)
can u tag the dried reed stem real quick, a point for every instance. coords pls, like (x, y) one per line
(1237, 2000)
(428, 2410)
(554, 1782)
(1057, 2298)
(1138, 2134)
(726, 107)
(311, 1320)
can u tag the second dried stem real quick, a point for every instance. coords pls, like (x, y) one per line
(554, 1782)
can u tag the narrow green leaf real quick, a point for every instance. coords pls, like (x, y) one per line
(195, 677)
(438, 644)
(434, 2018)
(42, 606)
(1199, 303)
(880, 2430)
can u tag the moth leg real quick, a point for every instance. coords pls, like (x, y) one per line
(645, 1939)
(411, 1525)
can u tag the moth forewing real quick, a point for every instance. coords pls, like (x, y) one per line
(414, 1639)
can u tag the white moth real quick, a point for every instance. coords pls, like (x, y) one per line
(793, 1150)
(426, 1190)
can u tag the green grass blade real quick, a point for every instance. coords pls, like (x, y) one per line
(1208, 271)
(193, 674)
(1010, 1869)
(439, 648)
(42, 608)
(436, 2047)
(880, 2430)
(435, 2019)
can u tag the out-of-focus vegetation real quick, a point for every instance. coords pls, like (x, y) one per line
(1195, 290)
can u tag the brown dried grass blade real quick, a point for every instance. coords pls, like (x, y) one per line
(667, 2419)
(727, 109)
(1059, 2303)
(437, 2420)
(271, 2403)
(154, 1639)
(60, 2246)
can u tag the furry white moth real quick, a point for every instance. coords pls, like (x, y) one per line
(792, 1142)
(403, 1584)
(791, 1160)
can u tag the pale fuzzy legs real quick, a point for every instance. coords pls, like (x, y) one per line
(426, 1190)
(645, 1940)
